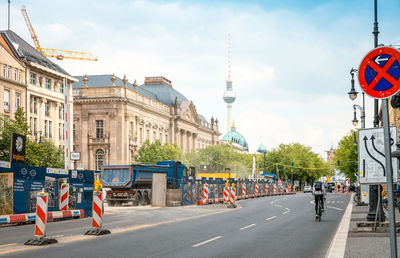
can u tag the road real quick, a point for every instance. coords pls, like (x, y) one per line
(279, 226)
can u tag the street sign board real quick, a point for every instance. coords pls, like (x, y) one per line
(371, 158)
(379, 73)
(75, 155)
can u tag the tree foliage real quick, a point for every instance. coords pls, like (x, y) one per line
(346, 156)
(151, 153)
(308, 165)
(43, 154)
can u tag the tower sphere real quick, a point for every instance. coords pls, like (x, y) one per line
(229, 97)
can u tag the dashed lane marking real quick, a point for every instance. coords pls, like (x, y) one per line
(273, 217)
(286, 212)
(287, 209)
(336, 208)
(207, 241)
(249, 226)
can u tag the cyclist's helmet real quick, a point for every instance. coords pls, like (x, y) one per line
(318, 186)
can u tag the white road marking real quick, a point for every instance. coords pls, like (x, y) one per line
(338, 245)
(276, 205)
(249, 226)
(336, 208)
(272, 202)
(207, 241)
(286, 212)
(56, 236)
(270, 218)
(287, 209)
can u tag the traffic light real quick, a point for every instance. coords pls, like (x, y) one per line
(292, 165)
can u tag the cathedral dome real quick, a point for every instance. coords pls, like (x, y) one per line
(236, 138)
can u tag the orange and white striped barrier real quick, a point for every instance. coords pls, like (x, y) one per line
(205, 191)
(257, 189)
(274, 188)
(244, 191)
(335, 190)
(232, 199)
(64, 197)
(40, 222)
(266, 189)
(97, 221)
(226, 194)
(281, 188)
(294, 188)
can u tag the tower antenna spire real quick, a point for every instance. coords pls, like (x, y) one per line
(229, 56)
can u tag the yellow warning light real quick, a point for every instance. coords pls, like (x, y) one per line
(233, 184)
(97, 186)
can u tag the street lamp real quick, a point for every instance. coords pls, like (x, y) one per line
(353, 95)
(262, 149)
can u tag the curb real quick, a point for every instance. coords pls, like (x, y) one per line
(31, 217)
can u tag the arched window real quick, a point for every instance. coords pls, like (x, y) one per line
(99, 159)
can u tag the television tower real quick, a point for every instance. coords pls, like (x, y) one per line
(229, 94)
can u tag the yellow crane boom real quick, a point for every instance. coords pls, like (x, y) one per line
(51, 52)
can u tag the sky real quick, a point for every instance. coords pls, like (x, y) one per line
(290, 59)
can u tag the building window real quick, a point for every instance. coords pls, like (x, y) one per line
(50, 130)
(47, 108)
(141, 135)
(99, 129)
(15, 74)
(60, 131)
(73, 131)
(31, 124)
(33, 79)
(160, 137)
(99, 159)
(19, 75)
(166, 137)
(35, 103)
(35, 124)
(61, 87)
(45, 128)
(9, 72)
(147, 134)
(4, 70)
(131, 129)
(48, 83)
(154, 136)
(7, 100)
(61, 112)
(17, 100)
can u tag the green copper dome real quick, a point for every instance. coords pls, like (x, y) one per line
(236, 138)
(262, 149)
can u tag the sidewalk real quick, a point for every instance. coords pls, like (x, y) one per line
(362, 241)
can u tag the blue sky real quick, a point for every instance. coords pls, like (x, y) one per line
(290, 58)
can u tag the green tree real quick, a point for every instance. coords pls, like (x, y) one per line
(219, 157)
(307, 165)
(151, 153)
(346, 155)
(7, 127)
(44, 154)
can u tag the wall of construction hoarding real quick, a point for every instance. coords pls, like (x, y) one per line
(193, 187)
(20, 196)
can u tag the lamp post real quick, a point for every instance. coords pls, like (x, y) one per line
(262, 149)
(353, 95)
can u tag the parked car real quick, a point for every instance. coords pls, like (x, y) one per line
(307, 189)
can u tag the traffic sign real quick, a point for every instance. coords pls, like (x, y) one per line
(379, 73)
(371, 159)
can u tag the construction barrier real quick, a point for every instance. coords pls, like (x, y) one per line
(274, 188)
(257, 189)
(266, 189)
(226, 194)
(40, 222)
(244, 192)
(64, 197)
(205, 192)
(97, 221)
(232, 199)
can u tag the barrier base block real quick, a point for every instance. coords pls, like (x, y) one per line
(98, 232)
(41, 241)
(231, 206)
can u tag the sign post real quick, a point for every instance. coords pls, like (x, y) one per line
(379, 77)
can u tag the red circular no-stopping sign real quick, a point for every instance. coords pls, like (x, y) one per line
(379, 73)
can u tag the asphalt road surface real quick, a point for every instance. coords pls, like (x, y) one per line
(279, 226)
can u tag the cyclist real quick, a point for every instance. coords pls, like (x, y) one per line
(319, 194)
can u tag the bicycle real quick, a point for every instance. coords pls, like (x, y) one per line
(357, 197)
(319, 210)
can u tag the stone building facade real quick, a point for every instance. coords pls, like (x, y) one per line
(30, 80)
(113, 118)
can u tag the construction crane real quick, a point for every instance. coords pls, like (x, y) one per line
(51, 52)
